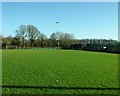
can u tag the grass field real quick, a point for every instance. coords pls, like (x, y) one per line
(59, 72)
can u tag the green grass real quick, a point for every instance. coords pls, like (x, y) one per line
(59, 68)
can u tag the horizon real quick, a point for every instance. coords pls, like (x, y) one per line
(90, 20)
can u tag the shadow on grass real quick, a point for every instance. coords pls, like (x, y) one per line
(60, 87)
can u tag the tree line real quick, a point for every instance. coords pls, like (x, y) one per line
(28, 36)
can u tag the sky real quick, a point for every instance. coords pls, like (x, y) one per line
(83, 19)
(60, 0)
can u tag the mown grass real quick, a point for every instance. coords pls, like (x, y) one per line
(41, 70)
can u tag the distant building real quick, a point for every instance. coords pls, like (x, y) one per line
(4, 46)
(78, 46)
(88, 46)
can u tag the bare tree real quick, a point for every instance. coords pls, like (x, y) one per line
(43, 39)
(65, 39)
(21, 34)
(32, 34)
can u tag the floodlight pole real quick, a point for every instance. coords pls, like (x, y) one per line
(58, 37)
(58, 43)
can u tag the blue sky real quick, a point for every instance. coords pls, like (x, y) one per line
(83, 19)
(60, 0)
